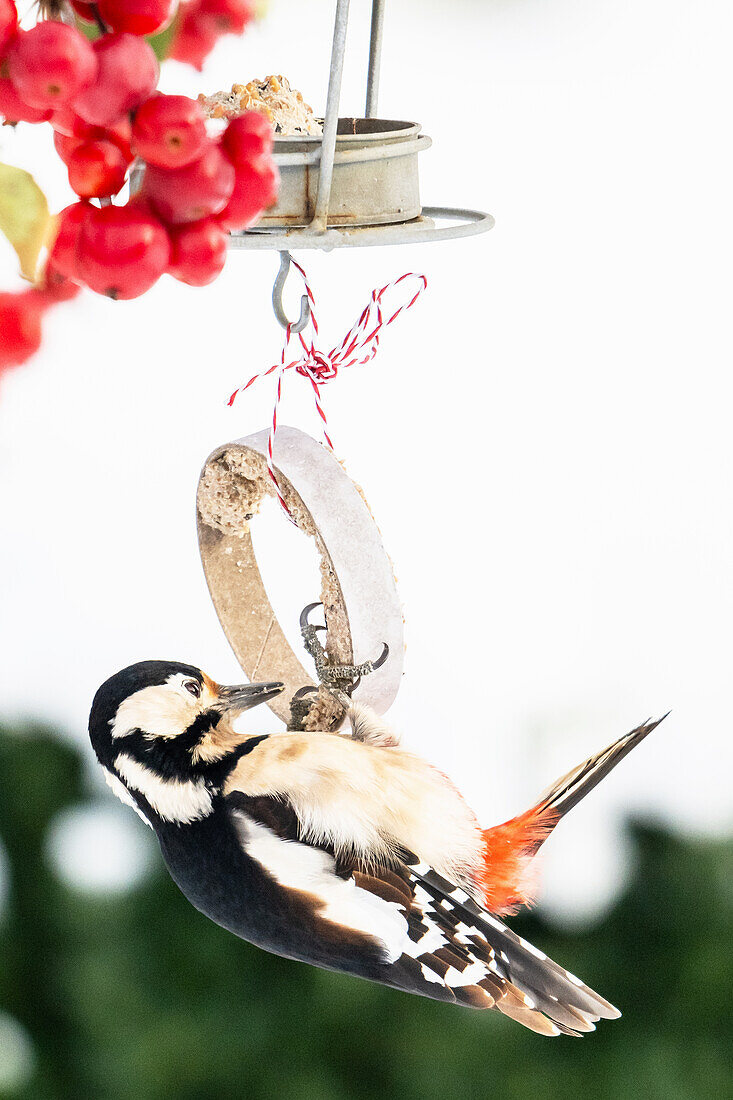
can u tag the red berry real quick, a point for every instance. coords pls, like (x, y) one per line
(118, 135)
(122, 250)
(136, 16)
(67, 124)
(8, 23)
(66, 121)
(12, 107)
(193, 39)
(189, 194)
(128, 73)
(97, 169)
(20, 325)
(63, 252)
(198, 252)
(169, 131)
(255, 189)
(50, 64)
(83, 9)
(56, 287)
(247, 137)
(66, 146)
(227, 16)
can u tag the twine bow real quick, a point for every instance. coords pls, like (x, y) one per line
(357, 348)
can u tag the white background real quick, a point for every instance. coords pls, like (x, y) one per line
(544, 439)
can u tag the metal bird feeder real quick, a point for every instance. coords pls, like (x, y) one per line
(356, 185)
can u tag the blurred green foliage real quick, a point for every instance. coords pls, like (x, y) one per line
(139, 996)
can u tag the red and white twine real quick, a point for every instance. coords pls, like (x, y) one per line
(358, 347)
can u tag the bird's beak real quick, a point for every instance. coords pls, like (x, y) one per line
(243, 696)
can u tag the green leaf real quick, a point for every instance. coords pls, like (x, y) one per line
(24, 216)
(161, 42)
(89, 30)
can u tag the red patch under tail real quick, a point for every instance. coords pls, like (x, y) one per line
(507, 878)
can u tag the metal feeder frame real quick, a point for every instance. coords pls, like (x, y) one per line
(318, 234)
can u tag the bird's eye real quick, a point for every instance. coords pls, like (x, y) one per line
(194, 687)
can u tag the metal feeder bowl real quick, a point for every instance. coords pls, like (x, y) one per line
(375, 175)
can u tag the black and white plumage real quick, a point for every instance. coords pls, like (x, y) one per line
(342, 851)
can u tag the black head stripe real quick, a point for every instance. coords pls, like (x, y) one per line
(170, 757)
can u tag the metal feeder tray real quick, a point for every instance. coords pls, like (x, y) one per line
(365, 191)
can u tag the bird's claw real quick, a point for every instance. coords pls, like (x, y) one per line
(304, 623)
(302, 692)
(342, 679)
(382, 657)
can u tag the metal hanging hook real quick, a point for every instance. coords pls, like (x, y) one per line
(277, 298)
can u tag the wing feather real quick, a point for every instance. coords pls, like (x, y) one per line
(552, 988)
(410, 928)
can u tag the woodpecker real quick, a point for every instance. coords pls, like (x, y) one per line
(341, 849)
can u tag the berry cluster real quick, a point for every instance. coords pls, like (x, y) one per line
(101, 101)
(195, 188)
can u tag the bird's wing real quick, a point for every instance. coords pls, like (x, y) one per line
(402, 925)
(538, 992)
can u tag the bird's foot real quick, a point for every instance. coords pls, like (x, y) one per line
(340, 680)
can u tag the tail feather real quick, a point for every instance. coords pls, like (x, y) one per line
(568, 791)
(508, 879)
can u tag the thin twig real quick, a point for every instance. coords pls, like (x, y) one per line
(103, 28)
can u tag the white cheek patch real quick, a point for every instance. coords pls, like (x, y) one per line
(162, 710)
(119, 788)
(180, 801)
(300, 867)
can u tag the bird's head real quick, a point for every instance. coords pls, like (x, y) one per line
(164, 730)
